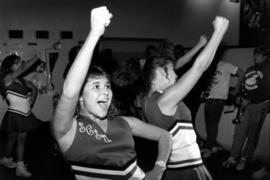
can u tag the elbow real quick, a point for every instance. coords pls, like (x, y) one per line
(202, 65)
(199, 68)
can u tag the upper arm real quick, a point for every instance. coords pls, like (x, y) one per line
(144, 130)
(170, 98)
(62, 121)
(10, 77)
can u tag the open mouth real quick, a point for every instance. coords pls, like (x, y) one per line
(104, 103)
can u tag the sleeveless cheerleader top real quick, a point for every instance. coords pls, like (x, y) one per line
(185, 150)
(105, 155)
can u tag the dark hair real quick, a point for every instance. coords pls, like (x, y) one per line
(97, 71)
(148, 72)
(179, 47)
(150, 51)
(5, 69)
(94, 71)
(263, 50)
(7, 63)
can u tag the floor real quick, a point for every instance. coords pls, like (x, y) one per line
(47, 163)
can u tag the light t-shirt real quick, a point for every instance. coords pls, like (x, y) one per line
(221, 81)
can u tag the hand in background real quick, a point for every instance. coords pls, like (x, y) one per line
(203, 40)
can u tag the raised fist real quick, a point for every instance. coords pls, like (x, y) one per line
(100, 18)
(221, 24)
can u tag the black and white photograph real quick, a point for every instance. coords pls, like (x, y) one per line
(135, 90)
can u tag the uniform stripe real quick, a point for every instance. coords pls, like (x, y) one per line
(181, 125)
(16, 94)
(105, 171)
(180, 121)
(112, 173)
(125, 166)
(19, 112)
(104, 176)
(185, 163)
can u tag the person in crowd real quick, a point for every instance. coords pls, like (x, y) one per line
(18, 120)
(163, 106)
(97, 144)
(216, 100)
(254, 103)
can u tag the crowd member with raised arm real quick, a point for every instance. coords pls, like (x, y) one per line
(98, 145)
(163, 106)
(20, 96)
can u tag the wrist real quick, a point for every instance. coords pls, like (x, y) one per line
(220, 32)
(96, 33)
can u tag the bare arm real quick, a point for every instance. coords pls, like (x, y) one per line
(63, 119)
(10, 77)
(174, 94)
(188, 56)
(151, 132)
